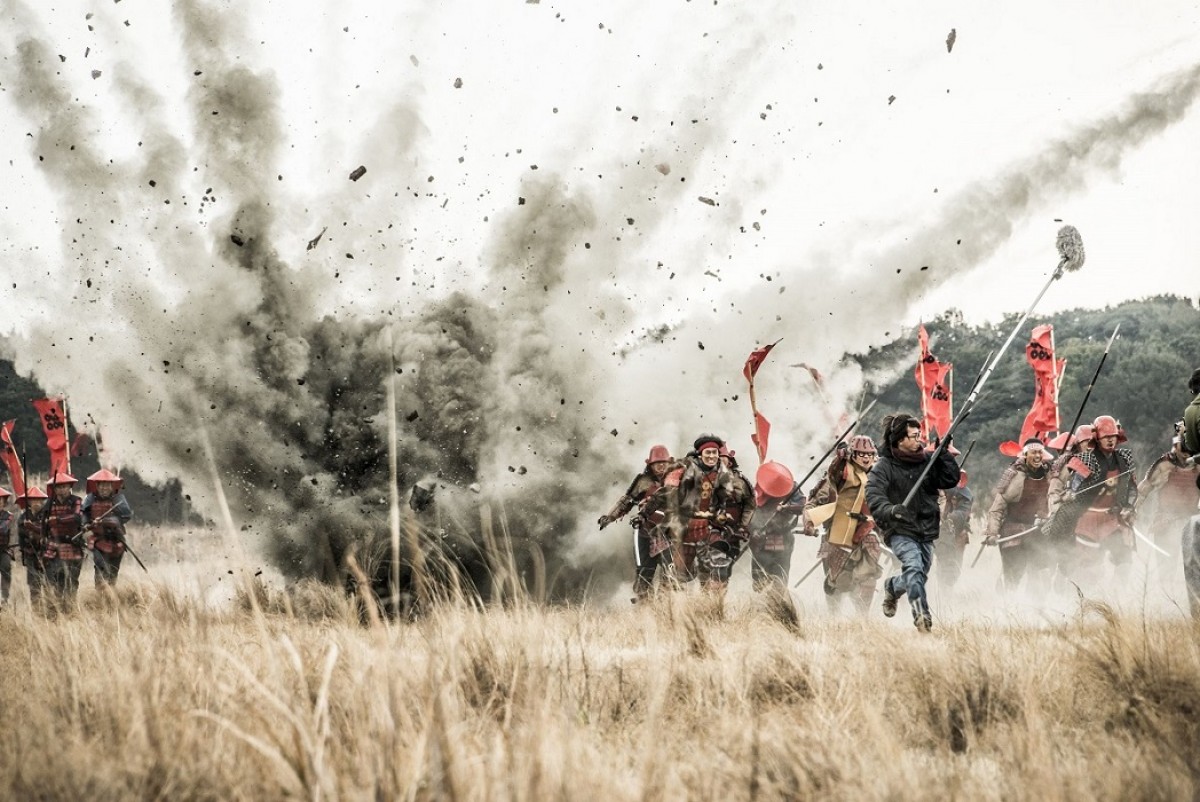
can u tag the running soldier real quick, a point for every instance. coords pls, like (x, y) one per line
(651, 547)
(1103, 497)
(6, 546)
(1169, 492)
(910, 532)
(730, 533)
(31, 539)
(105, 514)
(694, 492)
(1062, 468)
(772, 540)
(1019, 507)
(850, 547)
(957, 503)
(62, 526)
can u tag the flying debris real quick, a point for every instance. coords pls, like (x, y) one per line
(312, 243)
(709, 201)
(950, 39)
(237, 240)
(359, 172)
(891, 99)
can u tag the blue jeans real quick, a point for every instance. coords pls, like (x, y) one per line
(915, 559)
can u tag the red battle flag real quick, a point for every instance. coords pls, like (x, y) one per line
(54, 423)
(1042, 419)
(11, 461)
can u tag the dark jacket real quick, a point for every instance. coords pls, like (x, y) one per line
(889, 482)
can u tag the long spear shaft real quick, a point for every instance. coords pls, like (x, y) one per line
(840, 438)
(1091, 384)
(1070, 247)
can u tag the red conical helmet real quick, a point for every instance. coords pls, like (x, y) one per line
(658, 454)
(962, 479)
(775, 479)
(61, 478)
(863, 444)
(1107, 426)
(33, 492)
(104, 475)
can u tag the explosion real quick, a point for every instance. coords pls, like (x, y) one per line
(191, 301)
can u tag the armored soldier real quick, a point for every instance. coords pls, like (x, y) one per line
(1105, 494)
(1018, 508)
(1169, 491)
(731, 524)
(694, 493)
(651, 546)
(772, 540)
(6, 545)
(850, 547)
(1062, 470)
(31, 539)
(956, 504)
(105, 513)
(62, 527)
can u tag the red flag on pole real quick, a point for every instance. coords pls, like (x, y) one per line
(762, 428)
(762, 432)
(756, 359)
(54, 424)
(938, 407)
(1042, 419)
(932, 381)
(11, 461)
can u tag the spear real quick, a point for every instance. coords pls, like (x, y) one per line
(1070, 249)
(1091, 384)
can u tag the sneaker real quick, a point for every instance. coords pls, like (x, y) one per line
(889, 601)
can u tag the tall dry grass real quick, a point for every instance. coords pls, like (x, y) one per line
(147, 694)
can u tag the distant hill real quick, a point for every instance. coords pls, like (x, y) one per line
(1144, 383)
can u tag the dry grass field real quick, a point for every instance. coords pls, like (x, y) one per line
(157, 692)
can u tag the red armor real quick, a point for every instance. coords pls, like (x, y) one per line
(63, 521)
(105, 534)
(1177, 499)
(1098, 521)
(6, 522)
(699, 529)
(1032, 505)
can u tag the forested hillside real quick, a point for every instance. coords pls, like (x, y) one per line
(1143, 384)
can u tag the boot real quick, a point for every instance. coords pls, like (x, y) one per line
(922, 619)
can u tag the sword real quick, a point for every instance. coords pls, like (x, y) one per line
(998, 541)
(1150, 542)
(808, 573)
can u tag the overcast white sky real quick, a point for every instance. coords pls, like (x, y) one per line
(843, 147)
(833, 162)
